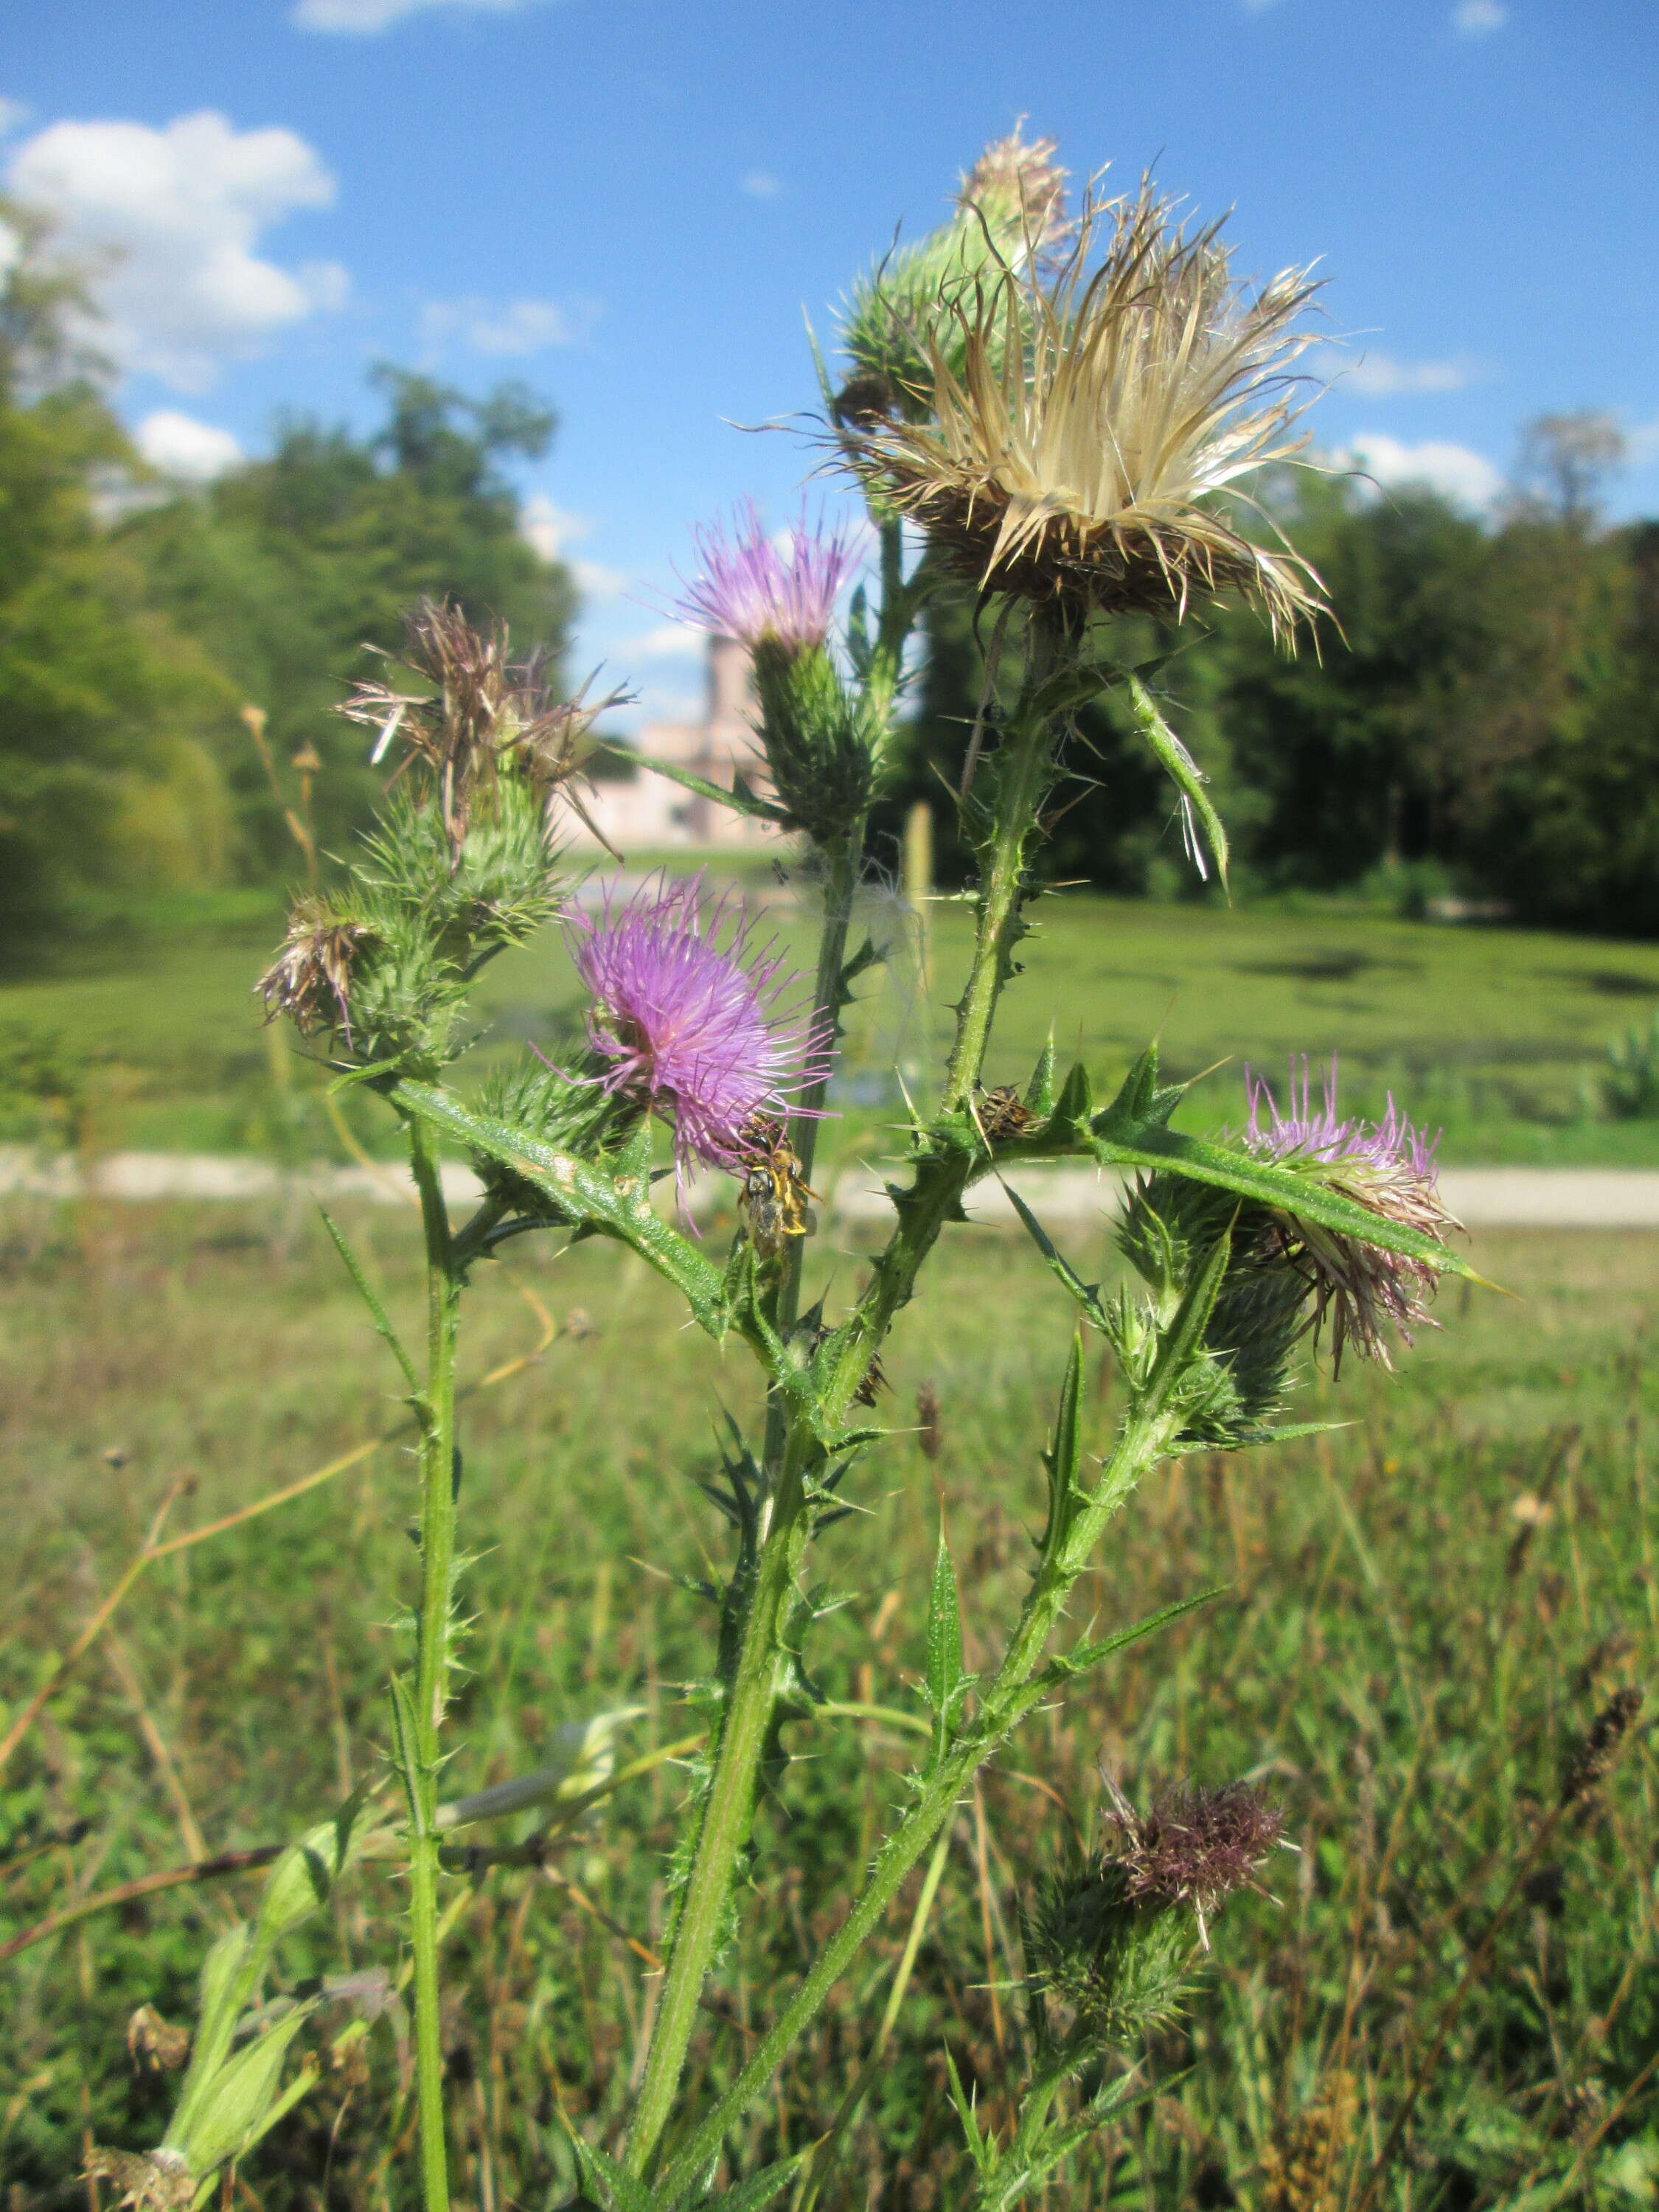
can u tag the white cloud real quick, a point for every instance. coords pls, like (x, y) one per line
(595, 582)
(11, 250)
(13, 116)
(1456, 471)
(668, 641)
(1641, 444)
(1380, 376)
(166, 222)
(760, 185)
(178, 445)
(548, 528)
(518, 326)
(1475, 19)
(363, 18)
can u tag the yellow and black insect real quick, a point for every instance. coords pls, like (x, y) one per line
(773, 1200)
(1003, 1114)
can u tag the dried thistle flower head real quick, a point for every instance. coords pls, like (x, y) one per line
(1085, 425)
(1020, 188)
(1385, 1166)
(310, 979)
(1108, 1932)
(1195, 1847)
(484, 712)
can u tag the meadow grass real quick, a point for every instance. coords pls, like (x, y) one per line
(1496, 1035)
(1419, 1616)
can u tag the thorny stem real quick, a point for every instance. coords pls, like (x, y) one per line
(1009, 1698)
(729, 1804)
(762, 1664)
(1022, 771)
(439, 1468)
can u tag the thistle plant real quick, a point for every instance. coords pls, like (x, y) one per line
(1064, 414)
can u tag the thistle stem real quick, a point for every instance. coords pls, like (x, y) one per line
(1022, 770)
(437, 1487)
(1008, 1699)
(729, 1807)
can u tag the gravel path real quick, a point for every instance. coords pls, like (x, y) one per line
(1482, 1198)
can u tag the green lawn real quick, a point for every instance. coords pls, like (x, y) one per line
(1495, 1035)
(1422, 1611)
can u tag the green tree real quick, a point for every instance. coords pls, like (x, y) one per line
(109, 717)
(286, 569)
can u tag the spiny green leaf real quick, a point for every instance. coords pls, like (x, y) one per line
(740, 802)
(944, 1638)
(1040, 1091)
(1182, 1344)
(1087, 1294)
(751, 2196)
(1064, 1453)
(1090, 1654)
(376, 1310)
(615, 1206)
(615, 2189)
(1119, 1142)
(1074, 1108)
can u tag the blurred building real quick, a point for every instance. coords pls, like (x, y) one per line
(649, 813)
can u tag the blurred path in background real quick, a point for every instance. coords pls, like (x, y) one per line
(1481, 1197)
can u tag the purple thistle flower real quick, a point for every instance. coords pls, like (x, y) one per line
(1387, 1167)
(746, 589)
(693, 1029)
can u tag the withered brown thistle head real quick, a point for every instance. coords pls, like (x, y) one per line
(310, 979)
(484, 713)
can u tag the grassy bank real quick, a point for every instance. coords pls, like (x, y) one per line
(1498, 1035)
(1423, 1614)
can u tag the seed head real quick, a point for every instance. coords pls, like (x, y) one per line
(703, 1033)
(1385, 1166)
(484, 713)
(748, 589)
(1084, 425)
(1595, 1755)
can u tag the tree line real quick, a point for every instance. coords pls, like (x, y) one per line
(139, 622)
(1478, 716)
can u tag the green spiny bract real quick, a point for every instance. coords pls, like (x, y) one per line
(1120, 1964)
(1170, 1228)
(821, 741)
(568, 1112)
(382, 966)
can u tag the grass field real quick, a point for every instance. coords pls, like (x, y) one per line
(1495, 1035)
(1423, 1613)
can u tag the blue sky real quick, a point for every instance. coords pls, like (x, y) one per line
(630, 203)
